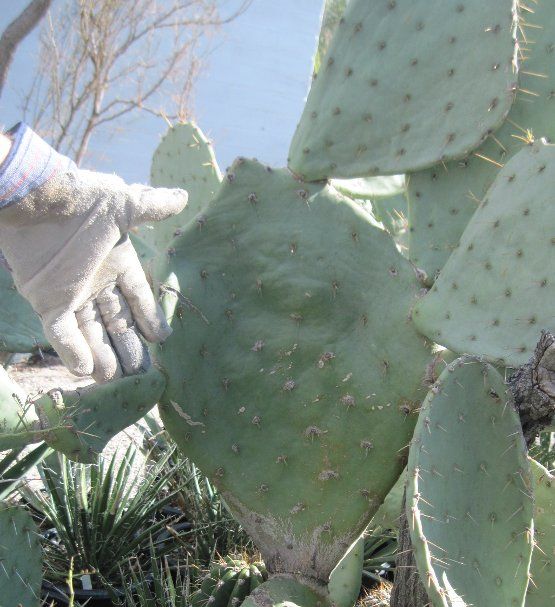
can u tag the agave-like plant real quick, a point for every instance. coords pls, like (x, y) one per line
(99, 516)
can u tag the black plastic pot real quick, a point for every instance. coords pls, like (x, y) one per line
(59, 593)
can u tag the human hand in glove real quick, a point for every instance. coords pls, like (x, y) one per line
(63, 232)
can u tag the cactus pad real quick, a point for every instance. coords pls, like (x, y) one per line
(541, 590)
(184, 159)
(20, 558)
(287, 591)
(18, 422)
(20, 327)
(81, 422)
(293, 367)
(469, 491)
(346, 579)
(442, 199)
(402, 87)
(495, 293)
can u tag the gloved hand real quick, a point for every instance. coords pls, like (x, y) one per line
(63, 232)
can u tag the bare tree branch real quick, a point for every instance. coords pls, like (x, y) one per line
(16, 31)
(101, 60)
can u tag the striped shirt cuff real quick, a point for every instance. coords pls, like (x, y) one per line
(30, 163)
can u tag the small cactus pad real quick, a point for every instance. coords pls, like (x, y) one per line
(293, 369)
(496, 291)
(541, 590)
(229, 583)
(18, 422)
(402, 87)
(287, 591)
(370, 188)
(184, 159)
(20, 558)
(80, 423)
(387, 517)
(442, 199)
(20, 327)
(346, 579)
(469, 491)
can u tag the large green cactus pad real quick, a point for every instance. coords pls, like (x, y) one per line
(469, 491)
(80, 423)
(541, 590)
(442, 199)
(402, 87)
(293, 367)
(20, 558)
(20, 327)
(184, 159)
(495, 293)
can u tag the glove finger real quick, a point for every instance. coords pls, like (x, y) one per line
(131, 351)
(106, 365)
(153, 204)
(146, 312)
(66, 338)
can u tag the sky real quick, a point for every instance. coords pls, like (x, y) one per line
(248, 98)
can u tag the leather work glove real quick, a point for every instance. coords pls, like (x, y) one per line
(63, 232)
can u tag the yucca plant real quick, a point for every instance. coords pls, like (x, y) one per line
(102, 515)
(380, 551)
(15, 464)
(162, 586)
(213, 530)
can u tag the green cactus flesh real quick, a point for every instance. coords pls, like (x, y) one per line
(18, 423)
(392, 213)
(541, 590)
(80, 423)
(402, 87)
(495, 293)
(442, 199)
(20, 558)
(288, 591)
(331, 15)
(293, 368)
(346, 579)
(469, 491)
(371, 188)
(387, 517)
(20, 327)
(184, 159)
(229, 583)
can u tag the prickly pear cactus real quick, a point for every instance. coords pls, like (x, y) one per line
(346, 579)
(80, 423)
(387, 517)
(20, 558)
(229, 583)
(401, 87)
(371, 188)
(442, 199)
(19, 424)
(469, 491)
(293, 370)
(541, 590)
(20, 327)
(184, 159)
(494, 300)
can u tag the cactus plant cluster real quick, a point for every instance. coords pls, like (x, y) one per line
(304, 350)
